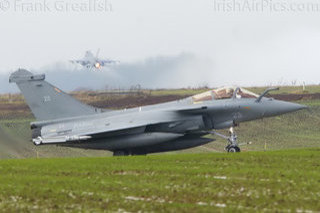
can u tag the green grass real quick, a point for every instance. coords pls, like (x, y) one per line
(248, 182)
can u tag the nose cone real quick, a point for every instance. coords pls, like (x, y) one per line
(282, 107)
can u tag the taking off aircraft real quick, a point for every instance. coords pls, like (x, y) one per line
(163, 127)
(90, 61)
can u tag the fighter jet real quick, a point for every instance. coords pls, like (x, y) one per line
(90, 61)
(176, 125)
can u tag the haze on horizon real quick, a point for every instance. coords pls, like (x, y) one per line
(164, 43)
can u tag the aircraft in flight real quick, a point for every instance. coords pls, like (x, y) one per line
(90, 61)
(170, 126)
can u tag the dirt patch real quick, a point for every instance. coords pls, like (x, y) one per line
(297, 97)
(134, 101)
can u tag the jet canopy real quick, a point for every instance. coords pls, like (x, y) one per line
(223, 93)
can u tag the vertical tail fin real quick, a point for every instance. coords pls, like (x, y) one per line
(46, 101)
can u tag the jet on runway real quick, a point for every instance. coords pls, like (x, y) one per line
(90, 61)
(163, 127)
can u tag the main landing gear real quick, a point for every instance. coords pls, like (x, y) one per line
(127, 153)
(121, 153)
(233, 145)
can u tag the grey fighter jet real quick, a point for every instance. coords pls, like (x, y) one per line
(163, 127)
(90, 61)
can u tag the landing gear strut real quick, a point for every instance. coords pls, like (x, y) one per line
(232, 140)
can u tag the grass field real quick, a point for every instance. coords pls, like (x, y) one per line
(275, 181)
(283, 178)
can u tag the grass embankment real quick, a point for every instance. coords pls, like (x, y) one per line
(263, 181)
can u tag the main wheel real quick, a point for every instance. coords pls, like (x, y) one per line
(37, 141)
(233, 149)
(120, 153)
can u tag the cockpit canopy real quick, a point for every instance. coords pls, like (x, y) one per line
(223, 93)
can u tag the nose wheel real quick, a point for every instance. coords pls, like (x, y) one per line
(232, 140)
(232, 149)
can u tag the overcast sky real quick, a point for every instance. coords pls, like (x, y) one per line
(226, 44)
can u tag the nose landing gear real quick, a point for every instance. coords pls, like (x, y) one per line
(233, 142)
(233, 145)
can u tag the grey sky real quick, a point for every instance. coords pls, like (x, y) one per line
(237, 47)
